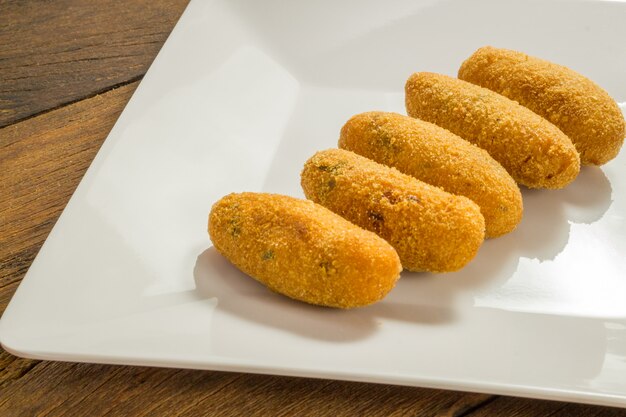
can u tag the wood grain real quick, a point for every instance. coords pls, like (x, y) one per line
(67, 68)
(54, 53)
(132, 391)
(525, 407)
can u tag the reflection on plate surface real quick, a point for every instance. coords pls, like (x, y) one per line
(238, 99)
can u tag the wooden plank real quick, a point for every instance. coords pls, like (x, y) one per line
(279, 396)
(157, 392)
(589, 411)
(50, 385)
(517, 407)
(100, 390)
(13, 368)
(123, 391)
(526, 407)
(54, 53)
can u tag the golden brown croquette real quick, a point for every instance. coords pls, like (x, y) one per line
(303, 250)
(431, 230)
(575, 104)
(438, 157)
(532, 150)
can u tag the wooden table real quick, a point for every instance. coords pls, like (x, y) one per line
(67, 69)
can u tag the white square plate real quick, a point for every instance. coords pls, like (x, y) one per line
(241, 95)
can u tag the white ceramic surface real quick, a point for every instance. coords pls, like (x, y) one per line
(240, 96)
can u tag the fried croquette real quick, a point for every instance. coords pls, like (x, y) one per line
(302, 250)
(431, 230)
(532, 150)
(575, 104)
(438, 157)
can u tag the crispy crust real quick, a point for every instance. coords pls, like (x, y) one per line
(438, 157)
(430, 229)
(533, 151)
(575, 104)
(302, 250)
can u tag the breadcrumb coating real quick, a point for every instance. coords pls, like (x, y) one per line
(532, 150)
(438, 157)
(431, 230)
(579, 107)
(303, 250)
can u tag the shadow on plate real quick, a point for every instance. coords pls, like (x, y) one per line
(542, 234)
(420, 298)
(240, 295)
